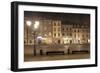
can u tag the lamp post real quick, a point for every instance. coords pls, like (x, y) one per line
(28, 23)
(36, 25)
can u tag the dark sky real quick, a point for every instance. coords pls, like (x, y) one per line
(64, 17)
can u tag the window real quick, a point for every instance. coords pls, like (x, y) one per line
(74, 30)
(70, 34)
(78, 30)
(63, 34)
(58, 34)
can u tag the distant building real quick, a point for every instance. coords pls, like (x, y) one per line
(80, 34)
(56, 24)
(66, 33)
(54, 32)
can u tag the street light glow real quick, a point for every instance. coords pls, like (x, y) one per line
(28, 23)
(39, 37)
(37, 22)
(36, 25)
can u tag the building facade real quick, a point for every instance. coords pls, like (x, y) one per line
(80, 34)
(54, 32)
(44, 32)
(66, 33)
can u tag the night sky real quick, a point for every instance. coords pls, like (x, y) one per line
(64, 17)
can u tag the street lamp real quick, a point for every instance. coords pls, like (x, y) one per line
(28, 23)
(35, 26)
